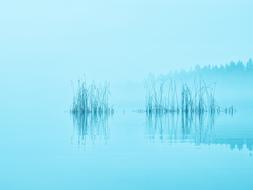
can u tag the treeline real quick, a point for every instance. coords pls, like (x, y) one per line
(232, 69)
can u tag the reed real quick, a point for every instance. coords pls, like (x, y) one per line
(165, 97)
(91, 99)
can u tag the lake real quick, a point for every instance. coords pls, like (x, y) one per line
(44, 147)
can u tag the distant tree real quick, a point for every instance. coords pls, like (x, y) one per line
(215, 68)
(239, 66)
(222, 68)
(232, 65)
(197, 68)
(249, 65)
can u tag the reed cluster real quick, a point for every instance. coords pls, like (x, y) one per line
(91, 98)
(167, 97)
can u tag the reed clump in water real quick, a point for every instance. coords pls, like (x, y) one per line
(91, 99)
(165, 97)
(91, 110)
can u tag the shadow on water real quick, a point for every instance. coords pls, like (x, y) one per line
(91, 127)
(192, 128)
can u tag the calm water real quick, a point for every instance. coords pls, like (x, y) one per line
(45, 148)
(45, 46)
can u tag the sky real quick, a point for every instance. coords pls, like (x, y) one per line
(120, 40)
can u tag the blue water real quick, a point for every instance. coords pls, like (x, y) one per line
(41, 148)
(44, 45)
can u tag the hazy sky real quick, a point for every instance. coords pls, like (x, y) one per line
(121, 39)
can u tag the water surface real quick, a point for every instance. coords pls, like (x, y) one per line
(49, 149)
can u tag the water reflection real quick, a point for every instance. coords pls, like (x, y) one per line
(204, 128)
(192, 128)
(181, 127)
(91, 127)
(236, 143)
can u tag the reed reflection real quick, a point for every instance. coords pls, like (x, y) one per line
(91, 127)
(174, 127)
(192, 128)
